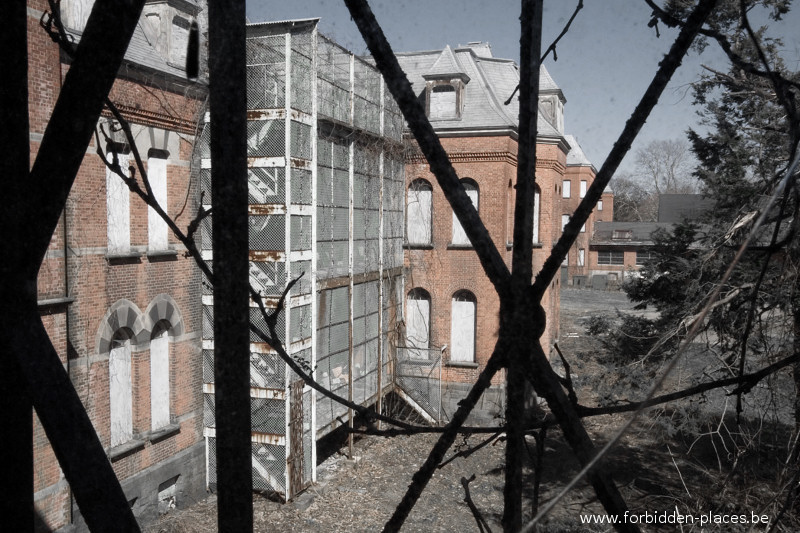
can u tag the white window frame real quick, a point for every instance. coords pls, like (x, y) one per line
(118, 208)
(418, 323)
(536, 201)
(463, 312)
(159, 379)
(157, 229)
(459, 235)
(120, 390)
(419, 211)
(600, 205)
(581, 257)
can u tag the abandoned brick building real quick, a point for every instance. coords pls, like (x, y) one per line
(120, 302)
(451, 308)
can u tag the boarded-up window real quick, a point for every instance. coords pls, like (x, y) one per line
(418, 323)
(581, 257)
(536, 216)
(118, 208)
(462, 327)
(156, 227)
(583, 188)
(418, 212)
(120, 390)
(443, 102)
(564, 221)
(459, 236)
(566, 187)
(159, 379)
(600, 205)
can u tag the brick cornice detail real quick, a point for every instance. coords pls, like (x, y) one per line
(470, 157)
(155, 119)
(488, 157)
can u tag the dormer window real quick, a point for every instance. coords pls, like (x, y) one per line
(443, 102)
(622, 235)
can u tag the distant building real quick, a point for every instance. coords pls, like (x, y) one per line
(118, 298)
(578, 178)
(620, 249)
(451, 308)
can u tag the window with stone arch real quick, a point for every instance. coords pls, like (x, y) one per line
(459, 236)
(419, 213)
(462, 327)
(418, 322)
(120, 387)
(160, 376)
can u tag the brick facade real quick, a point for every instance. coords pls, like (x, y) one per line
(87, 296)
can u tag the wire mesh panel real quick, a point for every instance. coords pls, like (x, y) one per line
(267, 232)
(301, 65)
(257, 320)
(266, 185)
(267, 371)
(266, 72)
(266, 138)
(268, 416)
(269, 467)
(268, 278)
(420, 379)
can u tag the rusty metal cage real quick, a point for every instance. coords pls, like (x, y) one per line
(325, 182)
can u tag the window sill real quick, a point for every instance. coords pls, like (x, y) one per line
(408, 246)
(162, 433)
(461, 364)
(55, 302)
(510, 245)
(120, 258)
(162, 255)
(125, 449)
(452, 246)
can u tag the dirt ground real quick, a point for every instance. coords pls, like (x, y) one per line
(657, 469)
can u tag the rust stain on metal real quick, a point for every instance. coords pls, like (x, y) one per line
(267, 438)
(300, 163)
(264, 209)
(265, 256)
(255, 114)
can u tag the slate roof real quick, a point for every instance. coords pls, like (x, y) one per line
(491, 82)
(576, 156)
(629, 233)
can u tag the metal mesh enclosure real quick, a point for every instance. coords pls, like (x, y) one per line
(326, 193)
(420, 379)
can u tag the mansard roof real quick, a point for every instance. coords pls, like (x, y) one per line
(493, 81)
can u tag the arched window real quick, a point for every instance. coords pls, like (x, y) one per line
(159, 377)
(419, 212)
(443, 102)
(418, 322)
(120, 387)
(459, 236)
(462, 327)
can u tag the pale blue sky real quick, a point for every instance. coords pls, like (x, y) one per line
(604, 63)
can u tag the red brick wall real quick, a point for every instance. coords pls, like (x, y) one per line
(442, 271)
(94, 283)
